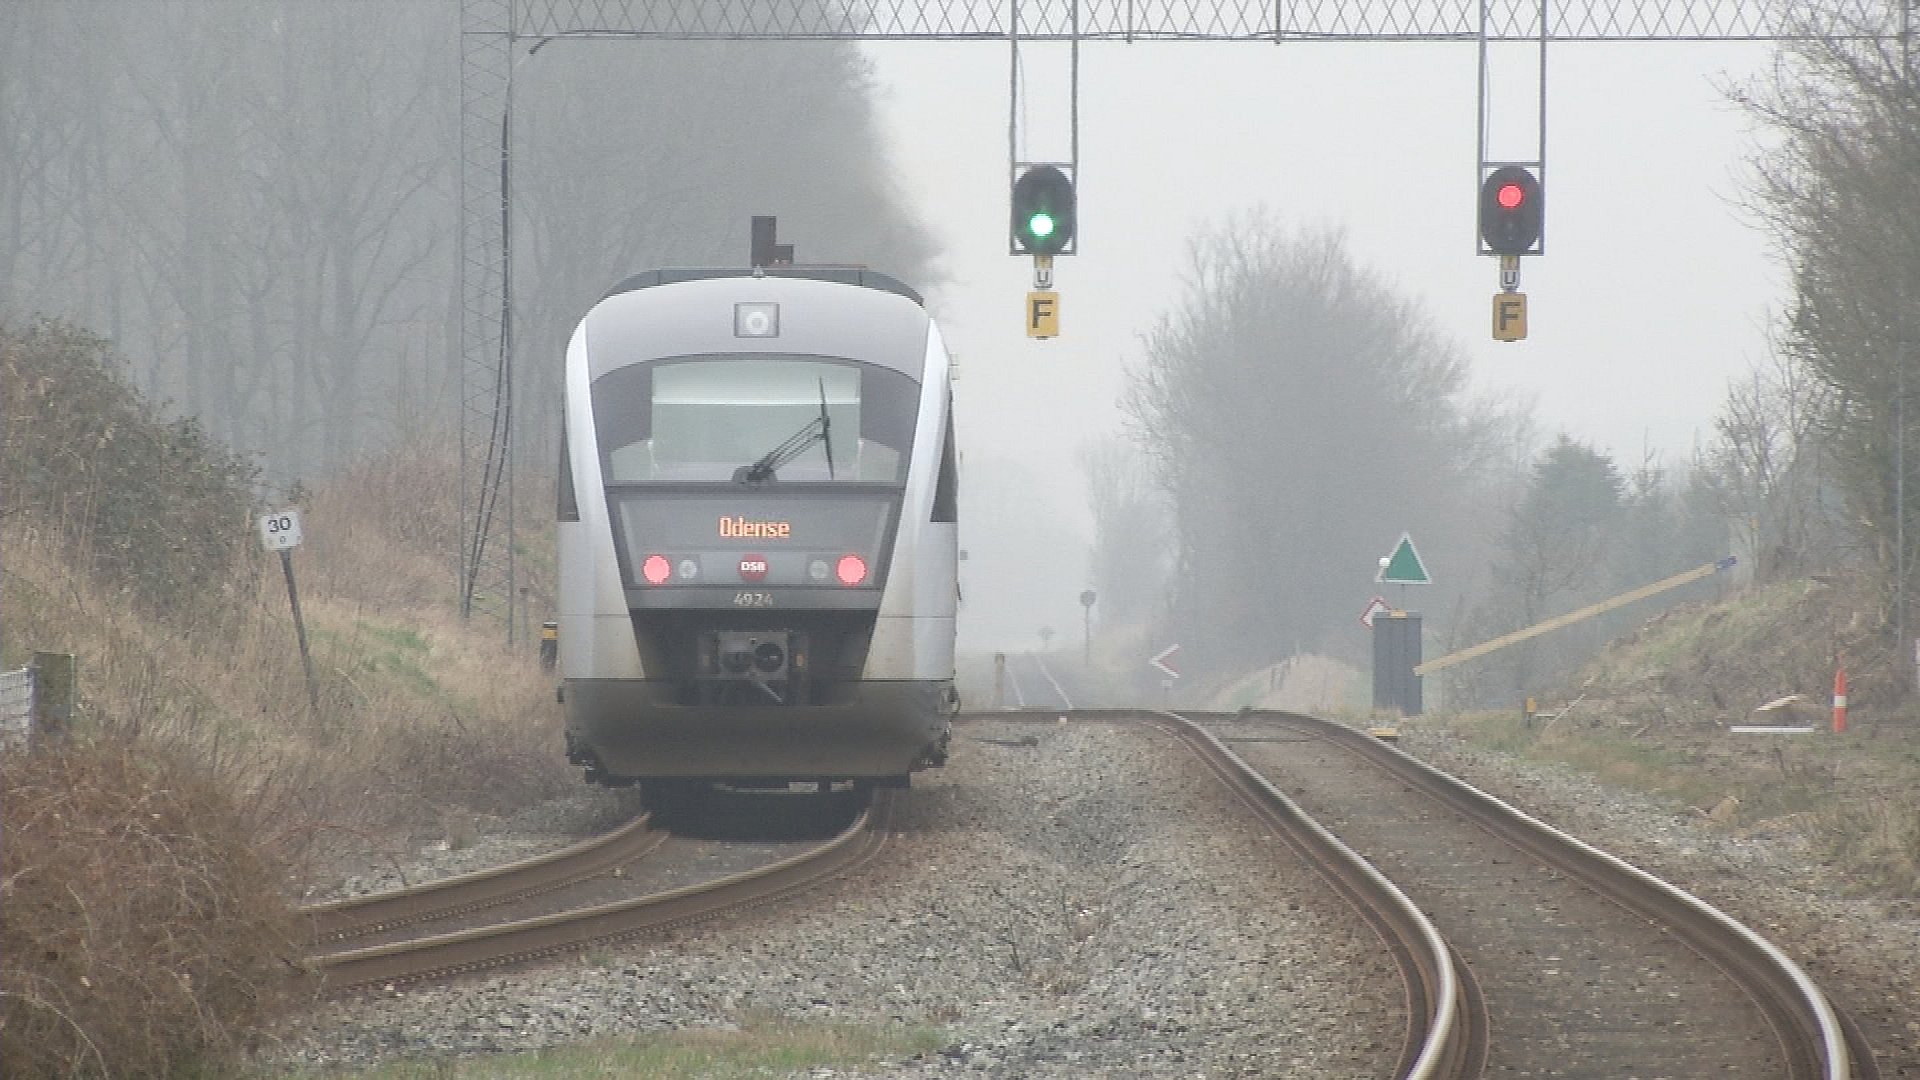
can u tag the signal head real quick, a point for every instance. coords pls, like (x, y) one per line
(1511, 210)
(1043, 211)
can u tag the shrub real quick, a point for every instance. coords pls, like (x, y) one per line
(155, 505)
(141, 931)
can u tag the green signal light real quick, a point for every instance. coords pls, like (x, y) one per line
(1043, 212)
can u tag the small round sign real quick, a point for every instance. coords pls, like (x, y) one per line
(753, 567)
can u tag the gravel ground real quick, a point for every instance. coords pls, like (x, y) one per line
(1063, 901)
(1862, 947)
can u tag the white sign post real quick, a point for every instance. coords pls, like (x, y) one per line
(280, 531)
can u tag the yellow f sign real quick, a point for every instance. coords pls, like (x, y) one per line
(1509, 316)
(1043, 314)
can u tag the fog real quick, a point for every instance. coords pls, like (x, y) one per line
(257, 203)
(1656, 288)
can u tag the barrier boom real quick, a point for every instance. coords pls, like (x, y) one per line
(1572, 617)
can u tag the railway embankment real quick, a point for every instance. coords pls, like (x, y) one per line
(154, 845)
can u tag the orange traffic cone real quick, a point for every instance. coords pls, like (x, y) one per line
(1839, 701)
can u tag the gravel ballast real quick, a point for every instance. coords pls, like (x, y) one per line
(1062, 901)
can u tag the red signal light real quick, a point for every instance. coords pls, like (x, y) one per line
(1511, 201)
(656, 569)
(851, 570)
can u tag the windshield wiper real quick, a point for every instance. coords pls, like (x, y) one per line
(817, 430)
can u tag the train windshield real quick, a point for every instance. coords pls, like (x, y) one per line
(780, 419)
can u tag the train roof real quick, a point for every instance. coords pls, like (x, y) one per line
(845, 275)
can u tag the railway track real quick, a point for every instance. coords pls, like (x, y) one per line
(1027, 683)
(435, 956)
(394, 909)
(1447, 1033)
(1576, 1005)
(1528, 1004)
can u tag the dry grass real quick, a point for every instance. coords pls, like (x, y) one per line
(1651, 713)
(1855, 797)
(418, 711)
(145, 931)
(1877, 834)
(1714, 663)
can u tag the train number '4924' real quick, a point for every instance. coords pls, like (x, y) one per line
(753, 599)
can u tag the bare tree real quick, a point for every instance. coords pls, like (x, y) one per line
(256, 200)
(1839, 192)
(1299, 417)
(639, 155)
(1765, 469)
(1133, 541)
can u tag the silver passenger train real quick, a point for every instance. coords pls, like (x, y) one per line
(758, 537)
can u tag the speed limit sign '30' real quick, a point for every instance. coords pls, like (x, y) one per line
(280, 530)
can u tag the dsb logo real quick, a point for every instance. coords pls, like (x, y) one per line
(753, 567)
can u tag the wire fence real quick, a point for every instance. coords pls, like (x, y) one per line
(17, 699)
(36, 701)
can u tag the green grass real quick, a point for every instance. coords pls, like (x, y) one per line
(1612, 758)
(399, 637)
(759, 1049)
(394, 653)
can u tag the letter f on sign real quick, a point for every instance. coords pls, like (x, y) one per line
(1043, 314)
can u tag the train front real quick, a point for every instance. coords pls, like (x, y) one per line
(758, 541)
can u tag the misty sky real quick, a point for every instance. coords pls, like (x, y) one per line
(1657, 286)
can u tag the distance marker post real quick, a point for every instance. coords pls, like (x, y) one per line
(280, 531)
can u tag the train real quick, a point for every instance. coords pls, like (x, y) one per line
(758, 537)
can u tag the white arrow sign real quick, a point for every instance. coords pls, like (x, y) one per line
(1160, 659)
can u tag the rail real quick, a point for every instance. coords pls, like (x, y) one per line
(1816, 1038)
(361, 915)
(447, 955)
(1447, 1027)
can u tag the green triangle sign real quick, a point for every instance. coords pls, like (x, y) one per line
(1404, 566)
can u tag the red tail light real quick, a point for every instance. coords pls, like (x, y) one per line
(852, 570)
(656, 569)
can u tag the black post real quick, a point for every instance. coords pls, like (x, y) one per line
(1396, 652)
(300, 628)
(763, 250)
(53, 694)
